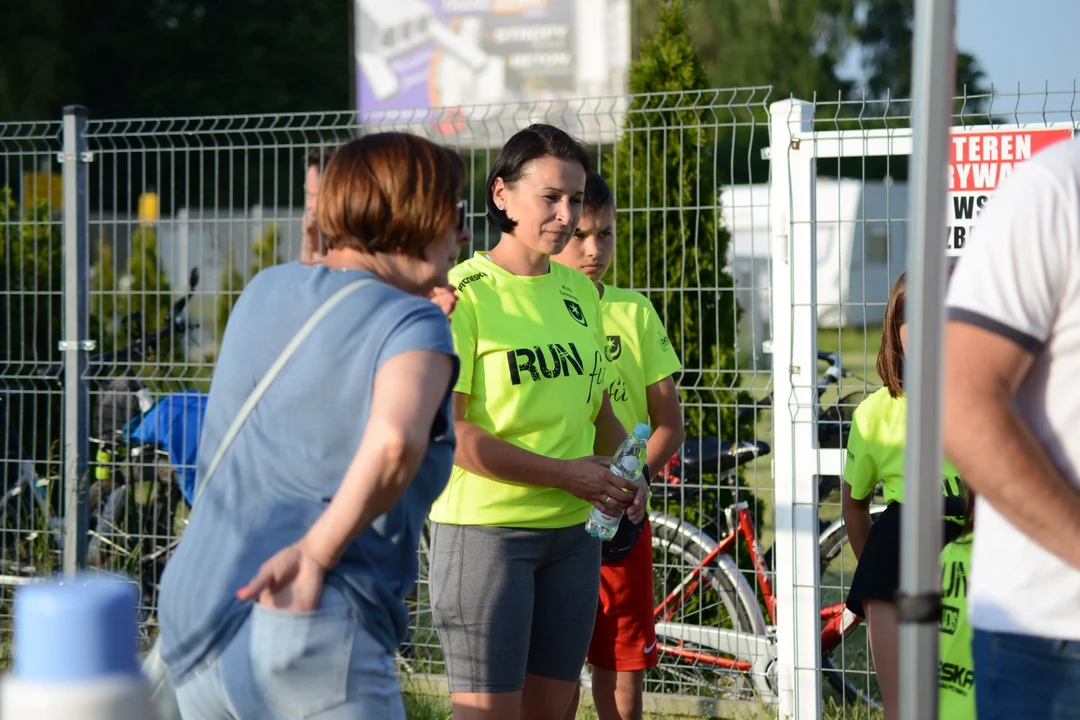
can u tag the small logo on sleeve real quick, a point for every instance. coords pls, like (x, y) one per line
(614, 347)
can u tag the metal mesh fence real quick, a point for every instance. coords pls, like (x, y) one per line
(30, 327)
(848, 206)
(696, 225)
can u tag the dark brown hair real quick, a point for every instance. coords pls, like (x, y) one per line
(317, 157)
(969, 513)
(597, 194)
(534, 142)
(389, 192)
(890, 360)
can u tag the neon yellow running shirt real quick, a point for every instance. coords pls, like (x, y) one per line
(875, 450)
(532, 363)
(956, 674)
(639, 348)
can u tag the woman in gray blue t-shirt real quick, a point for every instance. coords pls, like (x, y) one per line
(285, 596)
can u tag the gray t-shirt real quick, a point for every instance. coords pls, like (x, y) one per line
(290, 456)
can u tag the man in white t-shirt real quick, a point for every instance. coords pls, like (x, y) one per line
(1012, 427)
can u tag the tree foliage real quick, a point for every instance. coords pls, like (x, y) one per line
(139, 58)
(148, 291)
(265, 252)
(31, 316)
(670, 241)
(886, 37)
(145, 58)
(793, 45)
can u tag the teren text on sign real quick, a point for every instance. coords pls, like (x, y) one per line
(978, 163)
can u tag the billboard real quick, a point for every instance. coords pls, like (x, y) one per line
(979, 161)
(412, 56)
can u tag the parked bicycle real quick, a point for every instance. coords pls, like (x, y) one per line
(715, 616)
(139, 467)
(713, 624)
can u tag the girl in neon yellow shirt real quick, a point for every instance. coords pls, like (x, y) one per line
(875, 453)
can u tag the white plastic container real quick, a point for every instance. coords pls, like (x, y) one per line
(76, 653)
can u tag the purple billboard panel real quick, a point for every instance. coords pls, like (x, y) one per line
(413, 55)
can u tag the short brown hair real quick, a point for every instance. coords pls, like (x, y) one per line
(597, 194)
(389, 192)
(890, 360)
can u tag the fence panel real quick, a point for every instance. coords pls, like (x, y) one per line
(840, 196)
(225, 196)
(31, 308)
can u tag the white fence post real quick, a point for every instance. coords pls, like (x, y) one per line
(792, 210)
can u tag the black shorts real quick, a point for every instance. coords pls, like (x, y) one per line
(877, 576)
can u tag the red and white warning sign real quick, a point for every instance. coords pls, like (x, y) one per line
(978, 163)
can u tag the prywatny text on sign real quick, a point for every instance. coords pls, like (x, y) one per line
(978, 163)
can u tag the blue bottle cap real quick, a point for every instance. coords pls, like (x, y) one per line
(76, 629)
(642, 431)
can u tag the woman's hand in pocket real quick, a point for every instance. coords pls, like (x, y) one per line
(290, 580)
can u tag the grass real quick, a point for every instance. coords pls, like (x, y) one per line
(858, 350)
(428, 707)
(419, 706)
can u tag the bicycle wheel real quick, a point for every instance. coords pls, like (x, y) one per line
(134, 534)
(847, 666)
(28, 538)
(705, 597)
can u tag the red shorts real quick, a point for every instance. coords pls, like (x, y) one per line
(624, 637)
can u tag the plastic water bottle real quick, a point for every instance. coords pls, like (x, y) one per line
(627, 464)
(76, 653)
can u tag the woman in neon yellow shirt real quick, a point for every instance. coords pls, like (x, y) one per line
(514, 576)
(643, 390)
(875, 453)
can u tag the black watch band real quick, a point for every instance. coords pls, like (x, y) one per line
(647, 474)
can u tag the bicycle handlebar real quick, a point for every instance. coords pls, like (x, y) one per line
(831, 376)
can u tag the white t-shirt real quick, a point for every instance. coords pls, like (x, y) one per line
(1016, 279)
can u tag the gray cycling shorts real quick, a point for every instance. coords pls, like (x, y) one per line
(511, 601)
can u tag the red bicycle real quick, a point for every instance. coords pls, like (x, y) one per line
(715, 622)
(715, 607)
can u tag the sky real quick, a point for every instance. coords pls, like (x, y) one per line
(1029, 42)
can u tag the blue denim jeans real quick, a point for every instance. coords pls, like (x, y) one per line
(285, 665)
(1021, 676)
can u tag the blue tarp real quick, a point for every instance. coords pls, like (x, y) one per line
(174, 424)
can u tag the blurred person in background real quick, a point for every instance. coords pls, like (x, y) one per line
(311, 247)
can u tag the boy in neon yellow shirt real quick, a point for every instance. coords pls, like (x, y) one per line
(624, 637)
(956, 675)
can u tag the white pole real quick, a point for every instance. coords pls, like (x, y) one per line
(791, 215)
(919, 603)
